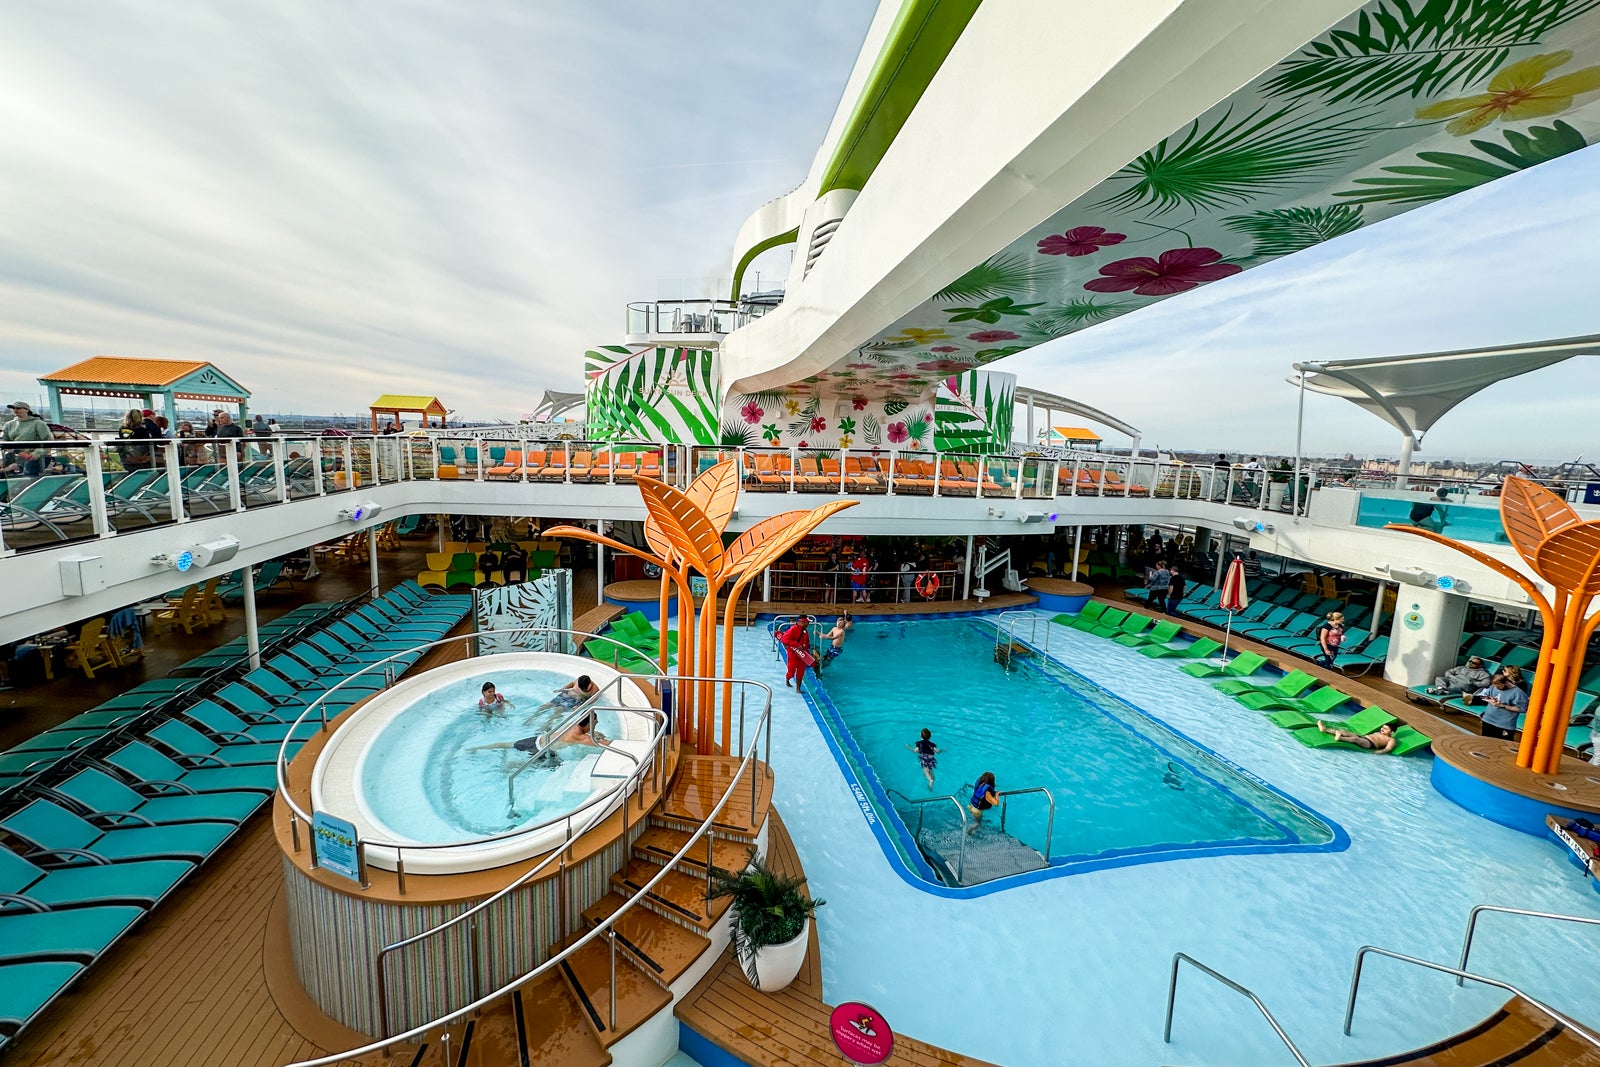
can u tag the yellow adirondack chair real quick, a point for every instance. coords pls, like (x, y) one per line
(92, 650)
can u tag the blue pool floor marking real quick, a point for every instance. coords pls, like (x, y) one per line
(826, 714)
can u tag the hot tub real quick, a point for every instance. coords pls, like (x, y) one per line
(420, 765)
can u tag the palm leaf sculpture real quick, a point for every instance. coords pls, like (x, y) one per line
(1564, 551)
(684, 531)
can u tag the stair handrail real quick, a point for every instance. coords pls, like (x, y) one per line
(1362, 953)
(1172, 996)
(1006, 622)
(605, 927)
(1050, 825)
(961, 810)
(1472, 923)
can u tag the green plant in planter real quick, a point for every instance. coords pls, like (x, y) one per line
(768, 908)
(1282, 472)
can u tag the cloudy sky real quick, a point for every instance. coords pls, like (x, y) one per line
(333, 200)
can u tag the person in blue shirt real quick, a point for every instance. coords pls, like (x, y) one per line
(984, 797)
(1504, 702)
(927, 754)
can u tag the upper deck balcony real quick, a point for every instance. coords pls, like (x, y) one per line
(694, 323)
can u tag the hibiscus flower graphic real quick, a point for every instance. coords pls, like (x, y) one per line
(859, 403)
(897, 432)
(943, 366)
(1080, 241)
(989, 337)
(752, 412)
(818, 424)
(1178, 270)
(945, 348)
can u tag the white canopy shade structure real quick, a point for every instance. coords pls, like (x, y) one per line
(1051, 403)
(1412, 393)
(554, 403)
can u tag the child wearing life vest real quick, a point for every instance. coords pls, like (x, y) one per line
(984, 797)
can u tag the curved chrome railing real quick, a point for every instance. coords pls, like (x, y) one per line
(604, 928)
(298, 815)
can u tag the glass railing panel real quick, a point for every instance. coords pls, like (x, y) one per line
(1465, 520)
(259, 471)
(300, 466)
(361, 461)
(136, 475)
(44, 494)
(502, 457)
(336, 458)
(818, 470)
(771, 469)
(913, 473)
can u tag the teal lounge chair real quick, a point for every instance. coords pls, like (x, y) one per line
(102, 795)
(1290, 685)
(1241, 666)
(233, 730)
(72, 934)
(1358, 663)
(1162, 632)
(140, 883)
(26, 989)
(49, 827)
(154, 771)
(190, 744)
(1199, 648)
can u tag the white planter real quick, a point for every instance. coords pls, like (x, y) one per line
(1275, 493)
(776, 965)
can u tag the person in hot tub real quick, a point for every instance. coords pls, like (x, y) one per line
(572, 694)
(581, 733)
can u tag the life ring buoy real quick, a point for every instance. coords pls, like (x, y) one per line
(927, 584)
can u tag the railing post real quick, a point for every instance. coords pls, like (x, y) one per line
(169, 458)
(938, 469)
(890, 490)
(611, 936)
(710, 836)
(522, 447)
(348, 452)
(316, 469)
(230, 458)
(794, 465)
(280, 471)
(400, 870)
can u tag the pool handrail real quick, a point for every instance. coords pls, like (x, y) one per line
(1362, 953)
(1050, 825)
(605, 926)
(961, 810)
(1472, 923)
(1172, 996)
(547, 740)
(1005, 624)
(298, 815)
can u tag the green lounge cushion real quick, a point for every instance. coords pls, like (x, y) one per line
(1245, 663)
(1199, 648)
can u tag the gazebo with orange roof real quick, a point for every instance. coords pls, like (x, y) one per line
(396, 404)
(134, 378)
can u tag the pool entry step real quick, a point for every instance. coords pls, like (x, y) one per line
(960, 858)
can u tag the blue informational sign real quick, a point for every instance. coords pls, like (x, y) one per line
(335, 842)
(1591, 493)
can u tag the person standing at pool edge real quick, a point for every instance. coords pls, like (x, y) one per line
(984, 797)
(796, 642)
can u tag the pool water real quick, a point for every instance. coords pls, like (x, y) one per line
(1126, 788)
(1464, 522)
(466, 792)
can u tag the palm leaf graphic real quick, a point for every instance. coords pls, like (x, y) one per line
(1453, 172)
(1417, 48)
(1008, 274)
(1287, 230)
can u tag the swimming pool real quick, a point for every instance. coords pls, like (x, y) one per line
(1464, 522)
(1117, 786)
(1074, 970)
(410, 765)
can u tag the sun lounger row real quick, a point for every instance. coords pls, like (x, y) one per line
(104, 835)
(1291, 626)
(556, 465)
(630, 643)
(447, 570)
(780, 471)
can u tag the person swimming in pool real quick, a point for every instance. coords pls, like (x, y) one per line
(492, 700)
(927, 754)
(1381, 740)
(984, 797)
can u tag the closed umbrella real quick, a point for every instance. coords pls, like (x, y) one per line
(1235, 597)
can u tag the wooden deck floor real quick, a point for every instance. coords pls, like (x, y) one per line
(789, 1028)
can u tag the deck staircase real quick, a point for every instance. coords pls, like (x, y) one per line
(564, 1018)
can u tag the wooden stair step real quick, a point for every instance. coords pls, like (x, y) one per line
(494, 1037)
(554, 1026)
(701, 782)
(660, 843)
(588, 974)
(663, 948)
(679, 896)
(1517, 1033)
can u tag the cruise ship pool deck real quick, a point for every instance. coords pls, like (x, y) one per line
(1074, 969)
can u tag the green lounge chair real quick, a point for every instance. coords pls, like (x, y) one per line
(1089, 617)
(75, 934)
(1163, 631)
(155, 770)
(48, 826)
(187, 743)
(1241, 666)
(1111, 621)
(1362, 722)
(1199, 648)
(1406, 740)
(1290, 685)
(98, 792)
(1321, 702)
(1134, 624)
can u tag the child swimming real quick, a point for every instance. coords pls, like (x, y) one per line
(926, 752)
(492, 700)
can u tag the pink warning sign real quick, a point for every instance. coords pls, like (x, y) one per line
(861, 1033)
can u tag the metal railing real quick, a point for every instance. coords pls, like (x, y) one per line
(1172, 996)
(604, 928)
(921, 804)
(1472, 925)
(1362, 953)
(1005, 629)
(836, 588)
(1050, 824)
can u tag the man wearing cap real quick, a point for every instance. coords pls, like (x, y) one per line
(24, 426)
(1468, 678)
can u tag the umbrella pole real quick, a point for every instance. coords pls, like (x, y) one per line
(1227, 636)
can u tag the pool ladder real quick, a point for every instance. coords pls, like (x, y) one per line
(1005, 632)
(1460, 972)
(961, 810)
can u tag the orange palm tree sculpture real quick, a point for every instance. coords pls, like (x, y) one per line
(1564, 551)
(684, 531)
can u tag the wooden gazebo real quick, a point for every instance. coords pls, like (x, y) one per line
(395, 405)
(144, 380)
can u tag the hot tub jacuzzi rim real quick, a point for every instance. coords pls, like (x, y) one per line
(366, 724)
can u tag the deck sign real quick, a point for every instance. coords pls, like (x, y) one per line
(335, 844)
(861, 1033)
